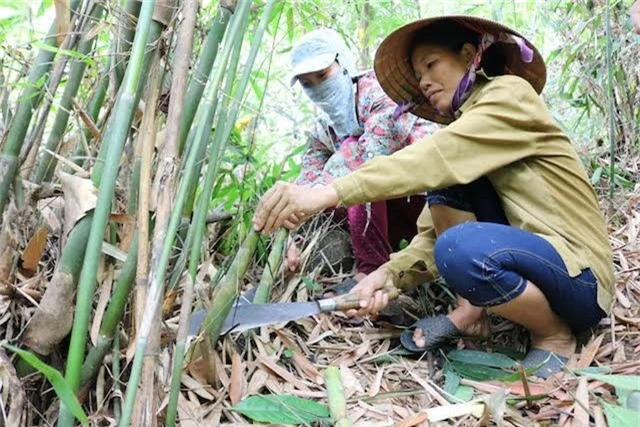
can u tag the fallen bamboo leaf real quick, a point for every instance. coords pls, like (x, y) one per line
(581, 405)
(589, 352)
(281, 409)
(300, 361)
(236, 382)
(80, 196)
(33, 251)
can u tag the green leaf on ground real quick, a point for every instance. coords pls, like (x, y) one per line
(311, 285)
(282, 409)
(620, 417)
(482, 373)
(62, 389)
(475, 357)
(624, 384)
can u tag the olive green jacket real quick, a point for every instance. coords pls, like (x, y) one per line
(504, 132)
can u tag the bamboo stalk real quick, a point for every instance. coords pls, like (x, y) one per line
(86, 287)
(271, 269)
(209, 109)
(112, 315)
(46, 163)
(227, 290)
(124, 39)
(28, 101)
(335, 396)
(203, 69)
(52, 318)
(159, 267)
(29, 150)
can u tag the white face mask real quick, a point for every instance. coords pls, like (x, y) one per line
(335, 96)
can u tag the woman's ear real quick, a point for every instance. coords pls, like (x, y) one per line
(468, 52)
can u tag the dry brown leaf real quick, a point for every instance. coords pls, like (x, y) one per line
(375, 386)
(237, 381)
(414, 420)
(581, 406)
(282, 373)
(63, 19)
(300, 361)
(202, 390)
(186, 413)
(350, 382)
(33, 251)
(257, 382)
(589, 352)
(80, 196)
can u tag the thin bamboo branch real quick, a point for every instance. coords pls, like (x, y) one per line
(86, 287)
(159, 267)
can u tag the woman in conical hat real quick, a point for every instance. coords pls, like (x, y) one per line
(512, 223)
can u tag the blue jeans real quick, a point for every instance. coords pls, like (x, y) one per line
(489, 262)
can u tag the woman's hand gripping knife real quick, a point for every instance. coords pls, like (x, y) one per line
(374, 291)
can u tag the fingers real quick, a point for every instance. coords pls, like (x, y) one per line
(265, 207)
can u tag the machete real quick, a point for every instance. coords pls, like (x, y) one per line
(245, 315)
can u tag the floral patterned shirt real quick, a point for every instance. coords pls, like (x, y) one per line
(327, 158)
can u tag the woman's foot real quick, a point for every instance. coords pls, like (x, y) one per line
(562, 343)
(469, 321)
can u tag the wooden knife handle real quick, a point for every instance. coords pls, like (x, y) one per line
(350, 301)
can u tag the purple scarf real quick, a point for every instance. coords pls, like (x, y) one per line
(466, 83)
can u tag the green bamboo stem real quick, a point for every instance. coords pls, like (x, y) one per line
(203, 69)
(116, 375)
(335, 396)
(47, 162)
(29, 100)
(221, 135)
(112, 315)
(124, 40)
(209, 109)
(125, 107)
(227, 290)
(154, 32)
(271, 269)
(160, 267)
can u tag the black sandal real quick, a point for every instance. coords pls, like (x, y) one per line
(438, 330)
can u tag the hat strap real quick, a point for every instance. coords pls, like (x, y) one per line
(466, 83)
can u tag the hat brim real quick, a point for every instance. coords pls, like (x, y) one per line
(395, 74)
(311, 65)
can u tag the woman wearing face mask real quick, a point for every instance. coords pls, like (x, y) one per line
(357, 125)
(513, 224)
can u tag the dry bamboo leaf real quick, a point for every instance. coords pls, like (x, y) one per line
(237, 381)
(282, 373)
(186, 414)
(80, 196)
(103, 300)
(63, 19)
(300, 361)
(414, 420)
(220, 372)
(589, 352)
(33, 251)
(598, 416)
(429, 389)
(350, 382)
(196, 387)
(14, 401)
(375, 386)
(257, 382)
(581, 406)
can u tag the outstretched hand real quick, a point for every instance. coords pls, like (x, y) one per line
(288, 205)
(373, 297)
